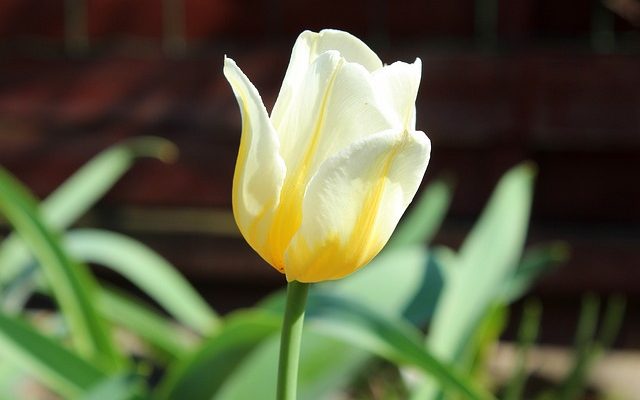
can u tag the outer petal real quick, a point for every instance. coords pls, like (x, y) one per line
(260, 170)
(397, 86)
(308, 47)
(353, 204)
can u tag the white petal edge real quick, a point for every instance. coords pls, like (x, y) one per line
(260, 171)
(339, 234)
(397, 87)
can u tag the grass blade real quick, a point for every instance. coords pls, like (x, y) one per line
(527, 335)
(72, 283)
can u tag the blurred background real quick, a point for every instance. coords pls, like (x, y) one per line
(555, 82)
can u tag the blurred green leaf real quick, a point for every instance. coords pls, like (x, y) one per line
(424, 219)
(81, 191)
(147, 270)
(392, 339)
(125, 386)
(477, 352)
(486, 261)
(200, 375)
(45, 359)
(587, 347)
(535, 262)
(527, 335)
(154, 329)
(72, 283)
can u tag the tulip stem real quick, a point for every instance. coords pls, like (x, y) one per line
(291, 339)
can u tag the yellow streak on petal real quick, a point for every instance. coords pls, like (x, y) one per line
(288, 216)
(337, 258)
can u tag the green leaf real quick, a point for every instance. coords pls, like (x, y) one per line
(392, 339)
(587, 346)
(421, 224)
(117, 387)
(147, 270)
(486, 261)
(72, 283)
(81, 191)
(200, 375)
(45, 359)
(535, 262)
(154, 329)
(527, 335)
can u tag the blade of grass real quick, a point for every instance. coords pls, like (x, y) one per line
(71, 282)
(45, 359)
(587, 346)
(527, 335)
(147, 270)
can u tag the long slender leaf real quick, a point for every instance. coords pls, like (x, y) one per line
(426, 216)
(147, 270)
(72, 283)
(82, 190)
(200, 375)
(45, 359)
(392, 339)
(527, 336)
(535, 262)
(485, 262)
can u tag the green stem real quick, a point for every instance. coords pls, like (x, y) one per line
(290, 340)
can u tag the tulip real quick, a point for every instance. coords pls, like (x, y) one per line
(321, 183)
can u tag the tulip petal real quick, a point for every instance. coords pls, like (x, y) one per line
(308, 47)
(353, 204)
(260, 171)
(397, 86)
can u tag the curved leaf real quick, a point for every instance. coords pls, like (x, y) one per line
(389, 338)
(144, 322)
(147, 270)
(200, 375)
(71, 282)
(45, 359)
(82, 190)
